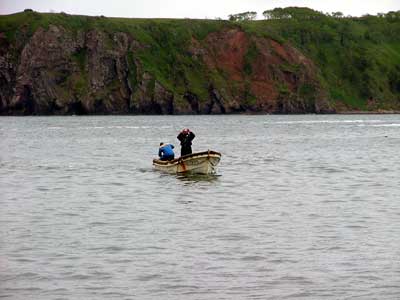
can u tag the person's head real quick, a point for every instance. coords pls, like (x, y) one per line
(162, 143)
(186, 130)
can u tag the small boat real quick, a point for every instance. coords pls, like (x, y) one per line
(196, 163)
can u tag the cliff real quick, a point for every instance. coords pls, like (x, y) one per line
(62, 64)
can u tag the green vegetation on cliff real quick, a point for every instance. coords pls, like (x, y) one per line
(359, 58)
(356, 61)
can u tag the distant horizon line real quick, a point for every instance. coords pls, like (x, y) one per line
(259, 15)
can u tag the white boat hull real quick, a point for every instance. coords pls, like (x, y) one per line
(196, 163)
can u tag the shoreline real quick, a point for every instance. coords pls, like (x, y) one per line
(379, 112)
(391, 112)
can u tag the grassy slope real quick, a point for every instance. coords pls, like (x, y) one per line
(358, 58)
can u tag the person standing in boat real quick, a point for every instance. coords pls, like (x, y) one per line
(186, 137)
(166, 152)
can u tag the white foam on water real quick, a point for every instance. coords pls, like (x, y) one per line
(386, 125)
(325, 122)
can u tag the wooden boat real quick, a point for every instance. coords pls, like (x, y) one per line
(195, 163)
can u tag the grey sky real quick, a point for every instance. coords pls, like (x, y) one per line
(192, 8)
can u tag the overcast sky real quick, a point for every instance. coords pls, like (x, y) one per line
(191, 8)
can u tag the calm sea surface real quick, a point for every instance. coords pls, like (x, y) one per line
(302, 207)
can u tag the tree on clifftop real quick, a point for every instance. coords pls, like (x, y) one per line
(292, 13)
(337, 14)
(245, 16)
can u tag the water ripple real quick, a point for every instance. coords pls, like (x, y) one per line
(303, 207)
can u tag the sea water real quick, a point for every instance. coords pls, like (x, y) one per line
(302, 207)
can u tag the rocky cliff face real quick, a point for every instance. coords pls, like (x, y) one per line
(264, 76)
(56, 71)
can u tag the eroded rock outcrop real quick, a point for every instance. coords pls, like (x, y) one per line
(263, 75)
(94, 72)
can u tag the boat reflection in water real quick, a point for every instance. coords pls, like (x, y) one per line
(194, 178)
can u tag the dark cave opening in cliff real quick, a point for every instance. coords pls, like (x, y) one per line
(76, 108)
(28, 103)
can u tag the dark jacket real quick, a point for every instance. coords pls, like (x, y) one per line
(186, 138)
